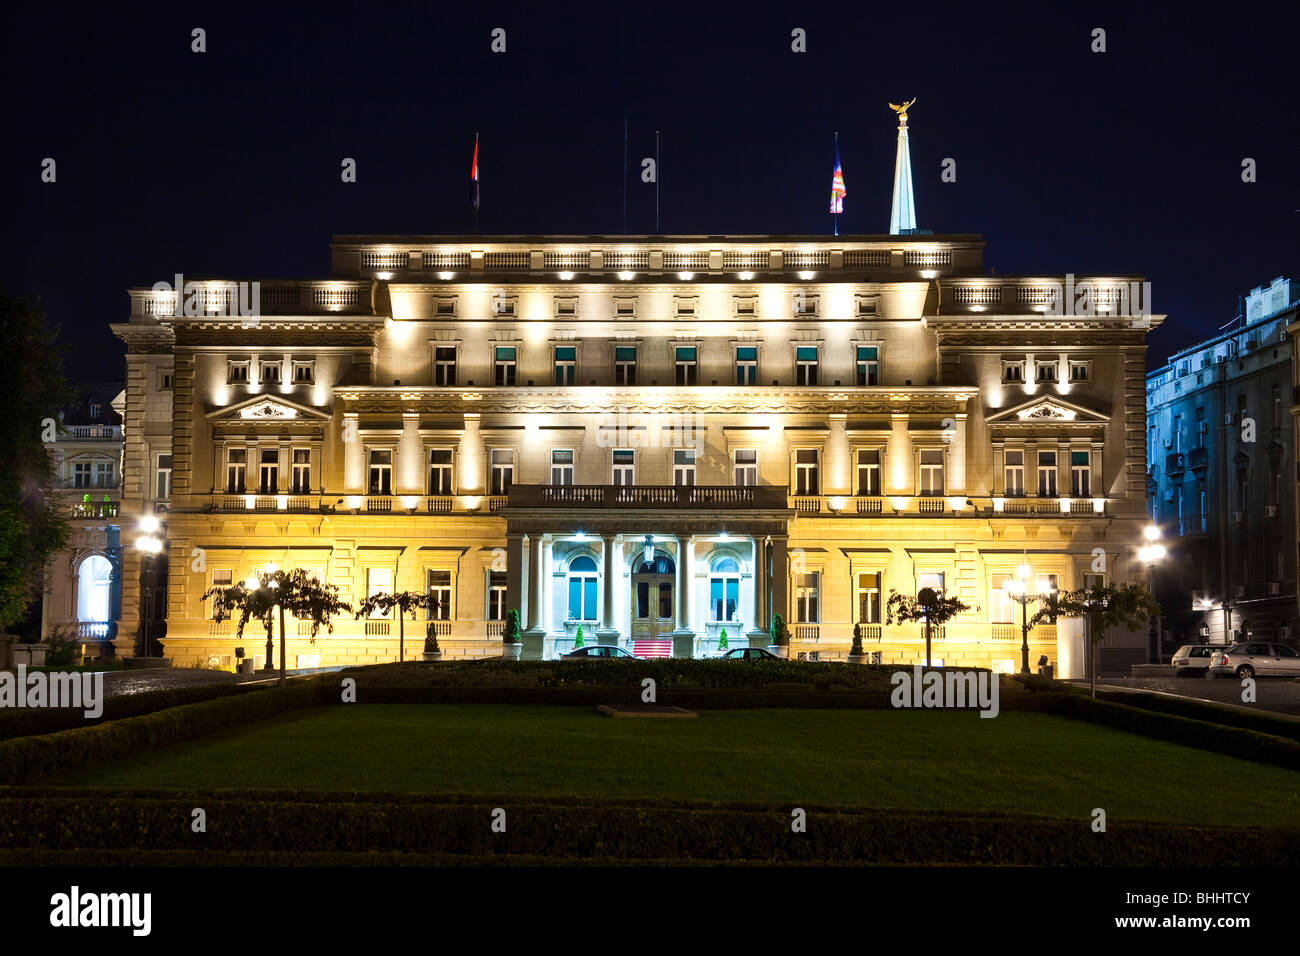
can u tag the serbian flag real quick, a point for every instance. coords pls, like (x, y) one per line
(473, 175)
(838, 192)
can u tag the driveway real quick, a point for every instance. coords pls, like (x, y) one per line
(1277, 694)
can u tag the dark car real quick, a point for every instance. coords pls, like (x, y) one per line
(595, 652)
(749, 654)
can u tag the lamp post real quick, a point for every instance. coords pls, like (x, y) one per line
(1149, 555)
(254, 583)
(148, 544)
(1018, 587)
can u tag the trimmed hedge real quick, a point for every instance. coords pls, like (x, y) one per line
(30, 758)
(1261, 721)
(23, 722)
(304, 823)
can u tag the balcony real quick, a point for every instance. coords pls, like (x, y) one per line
(1175, 464)
(96, 630)
(1198, 459)
(698, 497)
(93, 433)
(95, 509)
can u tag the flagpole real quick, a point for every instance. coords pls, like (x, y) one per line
(478, 196)
(835, 217)
(625, 170)
(658, 173)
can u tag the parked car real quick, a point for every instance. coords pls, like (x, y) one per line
(749, 654)
(1194, 659)
(1252, 658)
(600, 652)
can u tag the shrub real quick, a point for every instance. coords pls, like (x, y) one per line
(511, 633)
(780, 633)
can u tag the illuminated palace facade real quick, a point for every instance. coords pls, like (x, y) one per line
(653, 439)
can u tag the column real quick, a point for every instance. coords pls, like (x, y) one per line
(536, 593)
(354, 463)
(780, 578)
(607, 633)
(839, 466)
(758, 636)
(685, 580)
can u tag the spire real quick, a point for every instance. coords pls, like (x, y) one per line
(902, 214)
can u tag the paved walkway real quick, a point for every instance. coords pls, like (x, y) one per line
(120, 682)
(1277, 694)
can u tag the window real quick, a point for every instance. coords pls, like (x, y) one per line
(1013, 372)
(805, 597)
(304, 372)
(268, 373)
(444, 365)
(1045, 372)
(868, 365)
(625, 307)
(868, 594)
(1078, 373)
(931, 580)
(268, 471)
(687, 369)
(1275, 484)
(1277, 407)
(438, 587)
(746, 464)
(1178, 433)
(624, 467)
(103, 474)
(1201, 428)
(1013, 473)
(503, 304)
(1047, 474)
(683, 467)
(746, 365)
(81, 474)
(236, 466)
(164, 380)
(562, 466)
(96, 410)
(505, 365)
(724, 590)
(805, 365)
(379, 581)
(566, 307)
(446, 306)
(381, 471)
(503, 470)
(1080, 474)
(221, 578)
(1001, 604)
(625, 365)
(301, 477)
(932, 471)
(440, 471)
(163, 482)
(496, 596)
(805, 471)
(566, 364)
(237, 372)
(869, 472)
(745, 305)
(582, 589)
(804, 304)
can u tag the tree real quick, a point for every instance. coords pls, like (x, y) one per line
(406, 602)
(577, 638)
(296, 591)
(511, 634)
(856, 649)
(1101, 607)
(722, 641)
(32, 525)
(779, 632)
(929, 606)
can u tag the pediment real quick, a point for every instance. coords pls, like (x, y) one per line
(1048, 409)
(267, 408)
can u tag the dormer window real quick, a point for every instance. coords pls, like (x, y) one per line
(237, 372)
(1013, 372)
(1045, 372)
(268, 373)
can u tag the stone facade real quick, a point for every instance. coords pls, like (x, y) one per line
(653, 438)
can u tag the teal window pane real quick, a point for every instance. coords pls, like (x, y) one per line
(625, 354)
(686, 354)
(505, 355)
(807, 354)
(747, 353)
(565, 353)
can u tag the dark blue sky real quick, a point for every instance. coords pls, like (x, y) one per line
(227, 162)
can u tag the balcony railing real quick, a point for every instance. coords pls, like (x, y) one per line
(870, 632)
(807, 632)
(96, 630)
(495, 630)
(746, 497)
(94, 433)
(95, 509)
(1006, 632)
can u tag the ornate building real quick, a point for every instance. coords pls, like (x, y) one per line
(653, 438)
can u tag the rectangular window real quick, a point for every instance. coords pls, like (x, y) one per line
(439, 590)
(582, 595)
(1045, 372)
(301, 471)
(496, 594)
(268, 471)
(1080, 474)
(440, 471)
(624, 467)
(869, 472)
(805, 472)
(1013, 372)
(806, 598)
(746, 365)
(687, 369)
(805, 365)
(683, 467)
(236, 468)
(1201, 428)
(1047, 474)
(1178, 433)
(561, 466)
(724, 596)
(1277, 407)
(1013, 473)
(444, 365)
(746, 472)
(237, 373)
(164, 380)
(932, 580)
(381, 471)
(503, 470)
(81, 474)
(1001, 610)
(1078, 372)
(505, 365)
(868, 365)
(103, 474)
(268, 373)
(932, 471)
(868, 593)
(379, 581)
(163, 483)
(625, 365)
(304, 373)
(566, 364)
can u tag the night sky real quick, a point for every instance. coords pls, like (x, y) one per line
(227, 163)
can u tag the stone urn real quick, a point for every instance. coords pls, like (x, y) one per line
(512, 652)
(433, 655)
(780, 650)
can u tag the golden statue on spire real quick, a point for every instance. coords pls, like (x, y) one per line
(902, 110)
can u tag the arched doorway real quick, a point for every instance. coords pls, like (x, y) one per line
(94, 589)
(653, 604)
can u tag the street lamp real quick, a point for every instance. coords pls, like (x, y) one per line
(254, 583)
(148, 544)
(1150, 555)
(1018, 590)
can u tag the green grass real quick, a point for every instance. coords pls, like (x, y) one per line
(1028, 762)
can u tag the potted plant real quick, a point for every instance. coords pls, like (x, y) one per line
(856, 654)
(512, 637)
(432, 652)
(780, 634)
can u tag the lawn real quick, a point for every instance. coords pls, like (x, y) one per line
(1028, 762)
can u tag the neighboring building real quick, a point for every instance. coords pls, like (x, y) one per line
(82, 595)
(1222, 478)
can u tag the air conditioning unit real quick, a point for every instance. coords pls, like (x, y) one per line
(1239, 591)
(1274, 587)
(1236, 636)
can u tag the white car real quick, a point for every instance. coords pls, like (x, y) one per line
(1252, 658)
(1193, 660)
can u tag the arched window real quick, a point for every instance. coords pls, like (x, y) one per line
(94, 588)
(724, 589)
(582, 589)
